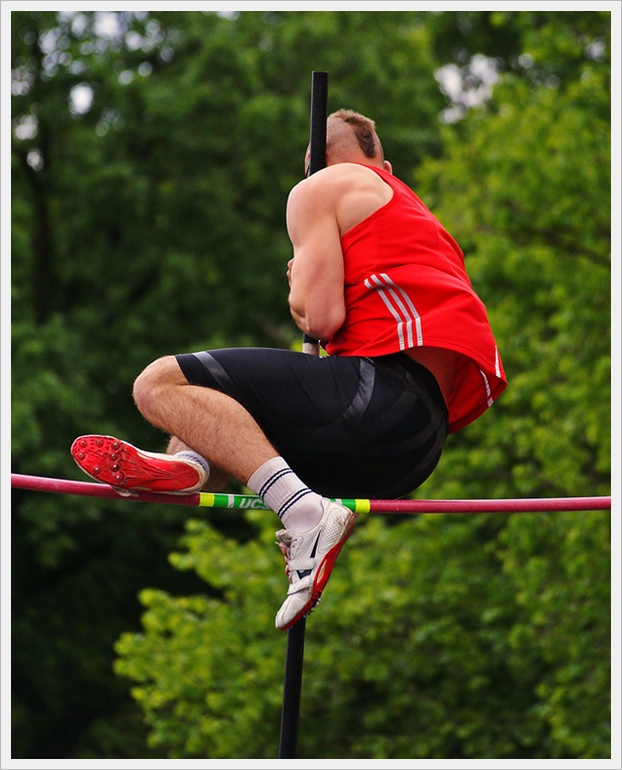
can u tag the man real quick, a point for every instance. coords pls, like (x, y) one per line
(382, 285)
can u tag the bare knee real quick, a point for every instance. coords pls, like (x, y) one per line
(152, 383)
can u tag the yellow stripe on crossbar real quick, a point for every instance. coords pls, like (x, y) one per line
(220, 500)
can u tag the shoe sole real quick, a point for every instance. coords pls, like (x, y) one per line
(321, 577)
(115, 462)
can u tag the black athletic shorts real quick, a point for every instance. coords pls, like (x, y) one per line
(348, 426)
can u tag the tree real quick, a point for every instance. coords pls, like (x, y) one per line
(536, 237)
(485, 633)
(152, 154)
(415, 662)
(142, 225)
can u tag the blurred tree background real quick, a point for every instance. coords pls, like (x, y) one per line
(152, 155)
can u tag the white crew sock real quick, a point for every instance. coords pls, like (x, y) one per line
(298, 507)
(190, 454)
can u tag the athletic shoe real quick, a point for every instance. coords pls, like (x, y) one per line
(310, 559)
(125, 467)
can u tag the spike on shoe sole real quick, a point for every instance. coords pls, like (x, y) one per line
(115, 462)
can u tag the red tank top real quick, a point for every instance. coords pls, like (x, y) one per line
(406, 286)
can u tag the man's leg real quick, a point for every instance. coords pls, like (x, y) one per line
(209, 422)
(217, 479)
(224, 434)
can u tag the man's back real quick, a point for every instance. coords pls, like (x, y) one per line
(352, 192)
(320, 210)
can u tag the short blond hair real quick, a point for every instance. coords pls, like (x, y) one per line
(364, 130)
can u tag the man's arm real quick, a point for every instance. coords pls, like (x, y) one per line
(316, 273)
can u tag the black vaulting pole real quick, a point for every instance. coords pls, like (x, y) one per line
(296, 634)
(317, 161)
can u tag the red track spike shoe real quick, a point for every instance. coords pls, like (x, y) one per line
(125, 467)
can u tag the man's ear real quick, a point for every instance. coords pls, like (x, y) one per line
(387, 166)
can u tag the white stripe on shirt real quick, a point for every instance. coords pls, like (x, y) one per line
(489, 399)
(401, 308)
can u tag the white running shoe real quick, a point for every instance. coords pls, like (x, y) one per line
(310, 559)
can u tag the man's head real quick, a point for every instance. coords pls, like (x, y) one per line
(352, 138)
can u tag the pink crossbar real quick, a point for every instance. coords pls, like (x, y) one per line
(542, 504)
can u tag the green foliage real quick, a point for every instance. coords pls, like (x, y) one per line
(537, 248)
(560, 566)
(153, 223)
(203, 645)
(150, 223)
(455, 648)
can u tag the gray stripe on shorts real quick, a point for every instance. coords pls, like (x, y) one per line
(360, 402)
(225, 384)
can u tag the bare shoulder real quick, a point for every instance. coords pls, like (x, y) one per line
(336, 179)
(350, 191)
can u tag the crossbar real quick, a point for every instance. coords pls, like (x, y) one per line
(359, 505)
